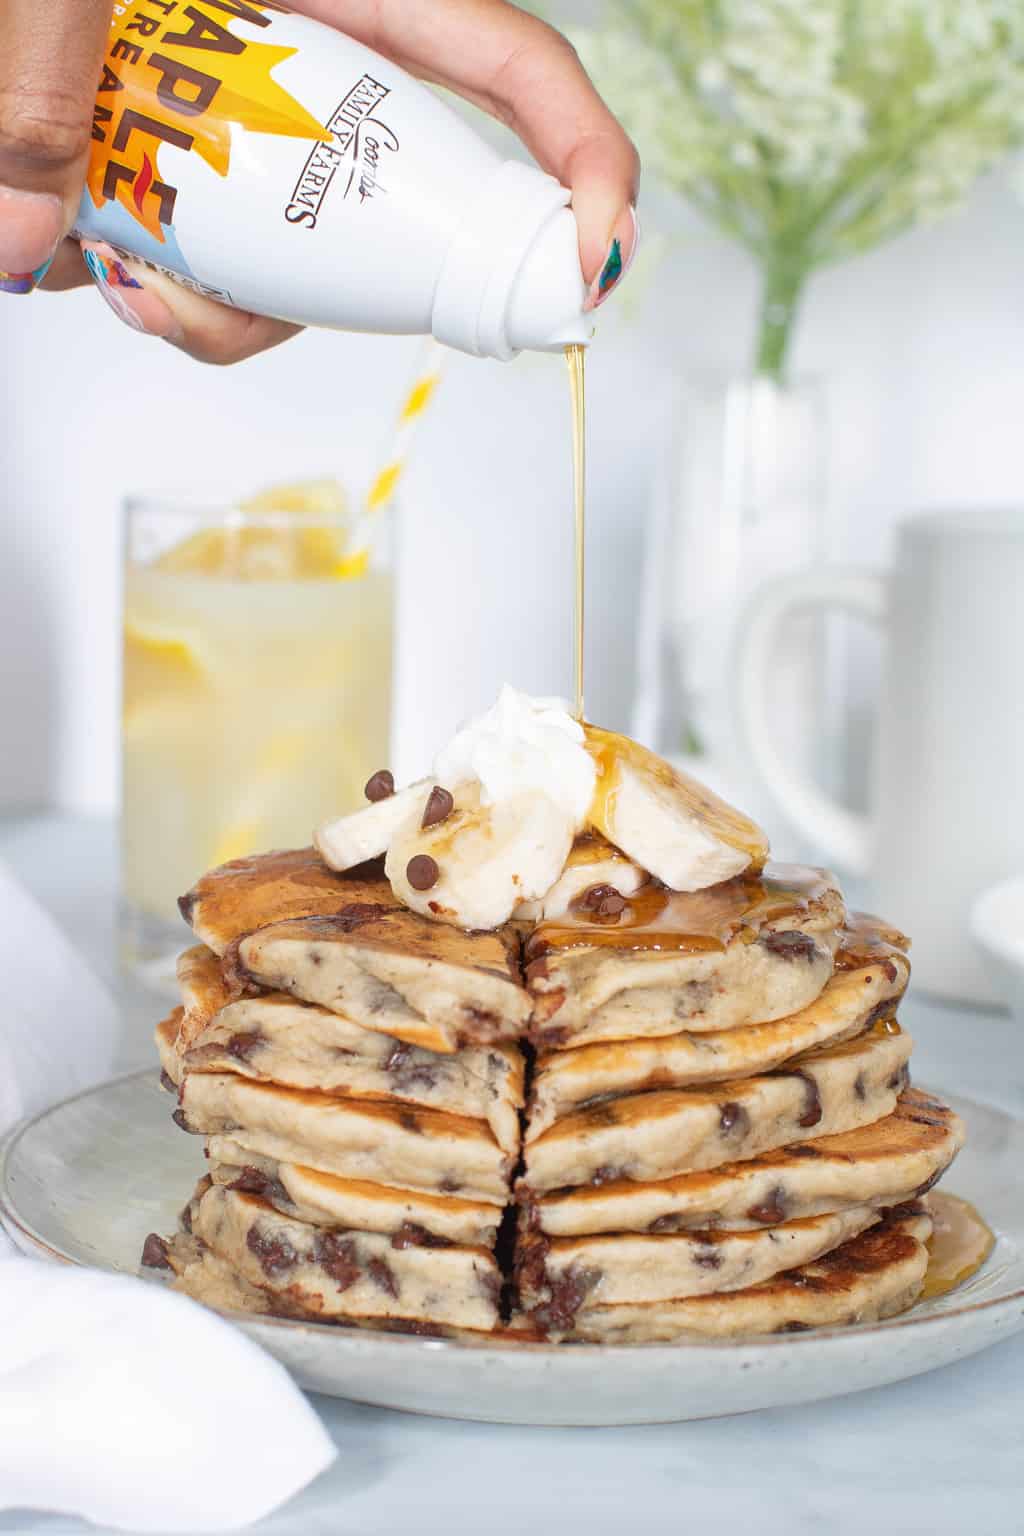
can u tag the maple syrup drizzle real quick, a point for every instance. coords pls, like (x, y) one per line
(866, 940)
(592, 848)
(959, 1245)
(575, 356)
(688, 922)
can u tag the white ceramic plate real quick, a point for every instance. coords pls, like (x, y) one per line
(88, 1179)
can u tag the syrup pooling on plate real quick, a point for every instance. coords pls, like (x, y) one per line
(959, 1245)
(614, 753)
(688, 922)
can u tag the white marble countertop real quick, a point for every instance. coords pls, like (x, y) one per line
(938, 1456)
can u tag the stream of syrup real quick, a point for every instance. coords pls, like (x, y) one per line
(659, 919)
(575, 356)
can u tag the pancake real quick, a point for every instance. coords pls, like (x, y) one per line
(407, 1216)
(656, 1135)
(629, 1268)
(873, 1276)
(566, 1080)
(751, 950)
(885, 1163)
(331, 1273)
(289, 923)
(273, 1038)
(166, 1037)
(355, 1138)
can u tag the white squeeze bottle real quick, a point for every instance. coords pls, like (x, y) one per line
(277, 165)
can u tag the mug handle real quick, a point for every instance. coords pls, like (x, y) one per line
(844, 835)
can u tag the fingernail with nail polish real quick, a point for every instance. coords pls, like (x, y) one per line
(31, 224)
(130, 300)
(24, 282)
(614, 268)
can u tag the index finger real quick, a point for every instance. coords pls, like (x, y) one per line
(50, 57)
(527, 75)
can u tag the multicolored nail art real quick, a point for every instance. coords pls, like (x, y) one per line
(612, 269)
(133, 299)
(110, 271)
(24, 282)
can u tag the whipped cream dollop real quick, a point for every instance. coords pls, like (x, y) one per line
(521, 744)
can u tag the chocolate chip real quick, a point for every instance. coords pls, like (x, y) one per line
(380, 785)
(242, 1046)
(730, 1116)
(336, 1256)
(179, 1119)
(772, 1210)
(707, 1257)
(422, 872)
(408, 1121)
(567, 1294)
(608, 1173)
(167, 1083)
(397, 1056)
(601, 900)
(383, 1277)
(667, 1223)
(154, 1253)
(860, 1087)
(187, 905)
(793, 1327)
(812, 1114)
(449, 1185)
(276, 1254)
(252, 1181)
(438, 807)
(790, 945)
(411, 1235)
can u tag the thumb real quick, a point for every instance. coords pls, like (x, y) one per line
(49, 66)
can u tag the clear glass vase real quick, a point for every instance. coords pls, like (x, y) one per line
(741, 498)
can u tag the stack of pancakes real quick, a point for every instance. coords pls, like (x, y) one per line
(718, 1137)
(349, 1065)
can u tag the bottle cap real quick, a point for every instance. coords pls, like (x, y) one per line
(511, 278)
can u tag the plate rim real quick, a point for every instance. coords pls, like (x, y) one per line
(380, 1337)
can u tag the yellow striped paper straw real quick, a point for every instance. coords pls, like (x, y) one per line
(382, 490)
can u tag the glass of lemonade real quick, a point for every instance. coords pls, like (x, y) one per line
(256, 689)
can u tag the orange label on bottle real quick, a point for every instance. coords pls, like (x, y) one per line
(178, 73)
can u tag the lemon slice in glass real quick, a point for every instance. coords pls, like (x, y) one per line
(274, 547)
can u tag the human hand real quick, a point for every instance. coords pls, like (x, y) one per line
(507, 62)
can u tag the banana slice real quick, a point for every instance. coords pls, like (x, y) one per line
(593, 862)
(664, 820)
(476, 865)
(366, 834)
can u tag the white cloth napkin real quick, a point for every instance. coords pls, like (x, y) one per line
(120, 1401)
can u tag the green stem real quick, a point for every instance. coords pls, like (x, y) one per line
(780, 296)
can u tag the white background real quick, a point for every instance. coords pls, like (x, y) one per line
(921, 343)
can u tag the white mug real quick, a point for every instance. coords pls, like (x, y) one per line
(948, 775)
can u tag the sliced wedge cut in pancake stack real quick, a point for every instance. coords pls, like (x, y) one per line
(354, 1070)
(633, 1113)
